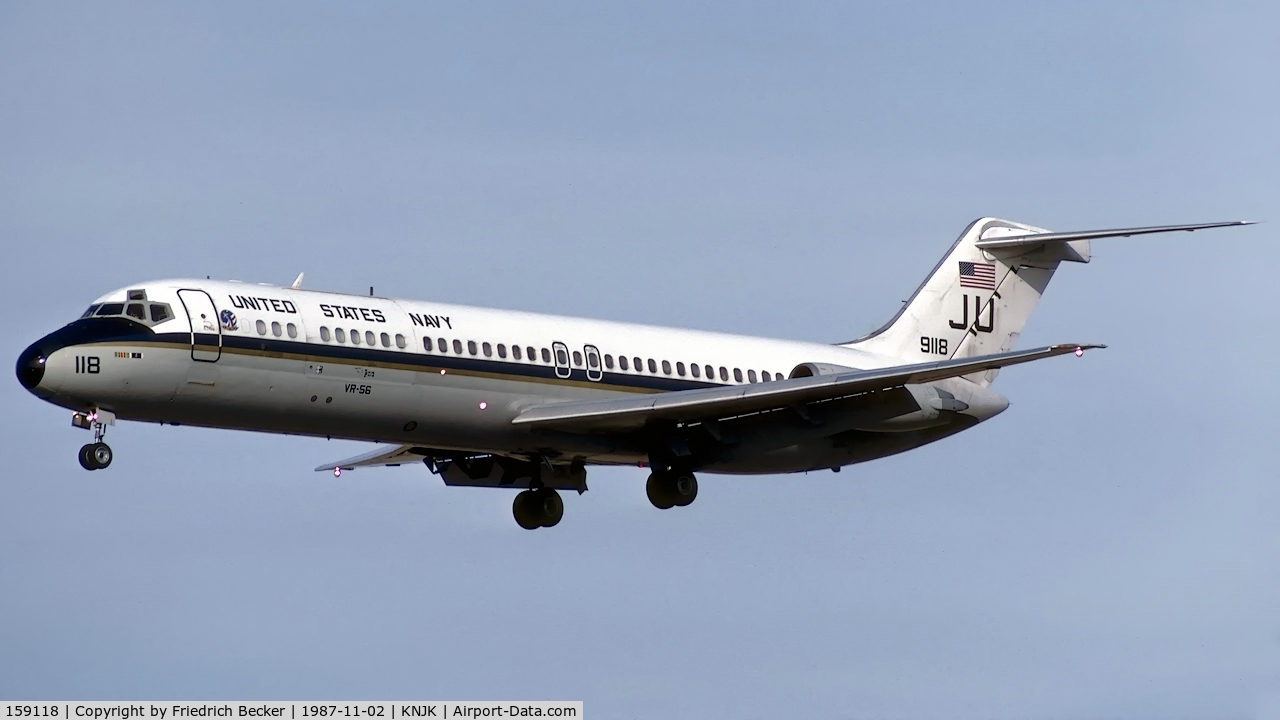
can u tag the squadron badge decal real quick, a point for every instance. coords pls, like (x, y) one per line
(228, 319)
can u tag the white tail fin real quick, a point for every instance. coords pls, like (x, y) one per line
(976, 301)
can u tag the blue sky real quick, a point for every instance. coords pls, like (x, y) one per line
(1107, 547)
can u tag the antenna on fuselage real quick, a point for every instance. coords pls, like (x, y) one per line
(297, 282)
(370, 291)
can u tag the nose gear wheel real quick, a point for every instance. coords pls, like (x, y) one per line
(95, 456)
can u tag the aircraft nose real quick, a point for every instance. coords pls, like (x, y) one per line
(31, 367)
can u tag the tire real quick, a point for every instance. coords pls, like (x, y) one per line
(684, 487)
(525, 512)
(550, 506)
(659, 492)
(86, 457)
(101, 455)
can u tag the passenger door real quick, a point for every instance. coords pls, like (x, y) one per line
(594, 370)
(560, 351)
(206, 330)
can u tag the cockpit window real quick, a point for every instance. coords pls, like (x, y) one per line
(160, 312)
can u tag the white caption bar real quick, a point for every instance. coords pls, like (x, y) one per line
(256, 710)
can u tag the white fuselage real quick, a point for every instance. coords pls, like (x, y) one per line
(448, 377)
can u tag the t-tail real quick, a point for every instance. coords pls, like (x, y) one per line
(981, 294)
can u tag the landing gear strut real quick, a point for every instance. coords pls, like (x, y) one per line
(538, 508)
(97, 454)
(671, 488)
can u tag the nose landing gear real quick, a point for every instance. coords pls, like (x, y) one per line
(671, 488)
(97, 454)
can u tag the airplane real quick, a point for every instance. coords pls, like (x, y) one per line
(506, 399)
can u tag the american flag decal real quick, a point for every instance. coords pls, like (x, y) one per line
(978, 275)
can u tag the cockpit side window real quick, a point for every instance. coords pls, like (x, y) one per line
(110, 309)
(92, 309)
(136, 310)
(160, 313)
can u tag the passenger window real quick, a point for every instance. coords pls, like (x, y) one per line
(666, 367)
(90, 311)
(340, 334)
(488, 350)
(561, 357)
(427, 344)
(693, 368)
(385, 338)
(724, 374)
(276, 329)
(471, 347)
(324, 334)
(653, 366)
(639, 364)
(160, 313)
(369, 339)
(136, 310)
(577, 359)
(529, 353)
(292, 330)
(622, 362)
(751, 376)
(593, 361)
(765, 376)
(400, 341)
(110, 309)
(515, 352)
(502, 350)
(355, 337)
(261, 326)
(737, 375)
(608, 361)
(457, 347)
(680, 369)
(711, 373)
(442, 345)
(546, 355)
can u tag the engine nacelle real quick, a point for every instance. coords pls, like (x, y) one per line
(810, 369)
(939, 404)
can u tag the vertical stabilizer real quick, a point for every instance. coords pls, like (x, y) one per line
(976, 301)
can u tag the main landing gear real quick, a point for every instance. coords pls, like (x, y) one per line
(671, 488)
(97, 454)
(538, 508)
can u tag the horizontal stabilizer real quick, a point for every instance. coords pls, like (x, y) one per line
(1012, 241)
(723, 402)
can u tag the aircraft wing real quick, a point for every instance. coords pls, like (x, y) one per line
(723, 402)
(385, 455)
